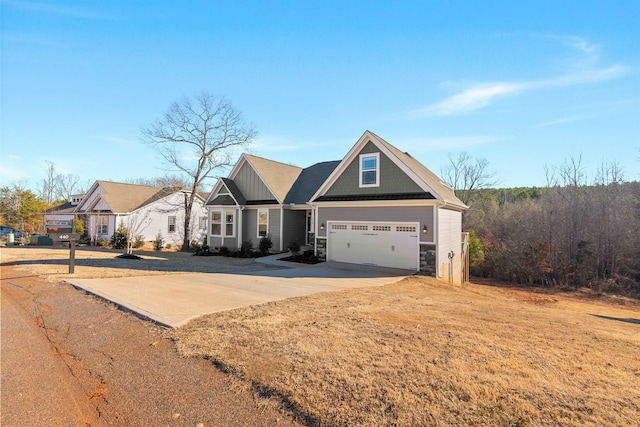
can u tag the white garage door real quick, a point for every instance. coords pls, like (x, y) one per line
(374, 243)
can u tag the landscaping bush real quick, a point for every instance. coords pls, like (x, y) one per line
(168, 246)
(138, 241)
(294, 247)
(158, 244)
(247, 248)
(265, 244)
(102, 241)
(119, 238)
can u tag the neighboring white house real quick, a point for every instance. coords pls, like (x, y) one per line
(145, 210)
(63, 214)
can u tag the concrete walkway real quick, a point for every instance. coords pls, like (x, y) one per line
(174, 299)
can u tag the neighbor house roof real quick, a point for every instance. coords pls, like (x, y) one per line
(66, 208)
(123, 198)
(279, 177)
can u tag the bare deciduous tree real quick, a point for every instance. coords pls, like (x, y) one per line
(197, 136)
(169, 181)
(49, 184)
(464, 174)
(67, 185)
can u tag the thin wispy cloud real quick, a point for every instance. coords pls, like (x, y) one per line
(559, 122)
(581, 70)
(55, 9)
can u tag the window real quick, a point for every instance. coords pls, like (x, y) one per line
(263, 222)
(172, 224)
(370, 170)
(216, 223)
(102, 224)
(202, 223)
(228, 223)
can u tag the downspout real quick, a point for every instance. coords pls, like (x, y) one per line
(314, 218)
(438, 206)
(240, 227)
(281, 228)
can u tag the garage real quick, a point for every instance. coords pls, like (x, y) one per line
(385, 244)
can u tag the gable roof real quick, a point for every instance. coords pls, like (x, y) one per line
(278, 177)
(415, 170)
(66, 208)
(125, 198)
(308, 182)
(235, 191)
(443, 190)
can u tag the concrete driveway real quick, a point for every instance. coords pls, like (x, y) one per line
(174, 299)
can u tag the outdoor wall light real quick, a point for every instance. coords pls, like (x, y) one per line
(322, 226)
(425, 230)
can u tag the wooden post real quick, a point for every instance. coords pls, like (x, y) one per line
(72, 247)
(72, 256)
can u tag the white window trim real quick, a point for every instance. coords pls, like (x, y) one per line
(258, 223)
(175, 223)
(103, 229)
(361, 157)
(202, 223)
(221, 223)
(225, 223)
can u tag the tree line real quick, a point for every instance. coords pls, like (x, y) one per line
(573, 233)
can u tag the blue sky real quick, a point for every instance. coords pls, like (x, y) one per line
(522, 84)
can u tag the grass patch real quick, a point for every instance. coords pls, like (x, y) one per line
(419, 352)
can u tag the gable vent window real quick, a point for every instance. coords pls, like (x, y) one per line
(370, 170)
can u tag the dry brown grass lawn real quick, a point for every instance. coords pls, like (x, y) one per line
(420, 352)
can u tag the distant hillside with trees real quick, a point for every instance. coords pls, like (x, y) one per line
(569, 234)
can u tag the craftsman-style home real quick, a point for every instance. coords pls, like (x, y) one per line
(376, 206)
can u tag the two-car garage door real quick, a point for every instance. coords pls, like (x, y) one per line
(374, 243)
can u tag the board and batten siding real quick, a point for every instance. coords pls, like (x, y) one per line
(250, 226)
(274, 228)
(420, 214)
(449, 240)
(392, 179)
(294, 227)
(250, 184)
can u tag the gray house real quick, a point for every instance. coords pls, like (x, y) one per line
(376, 206)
